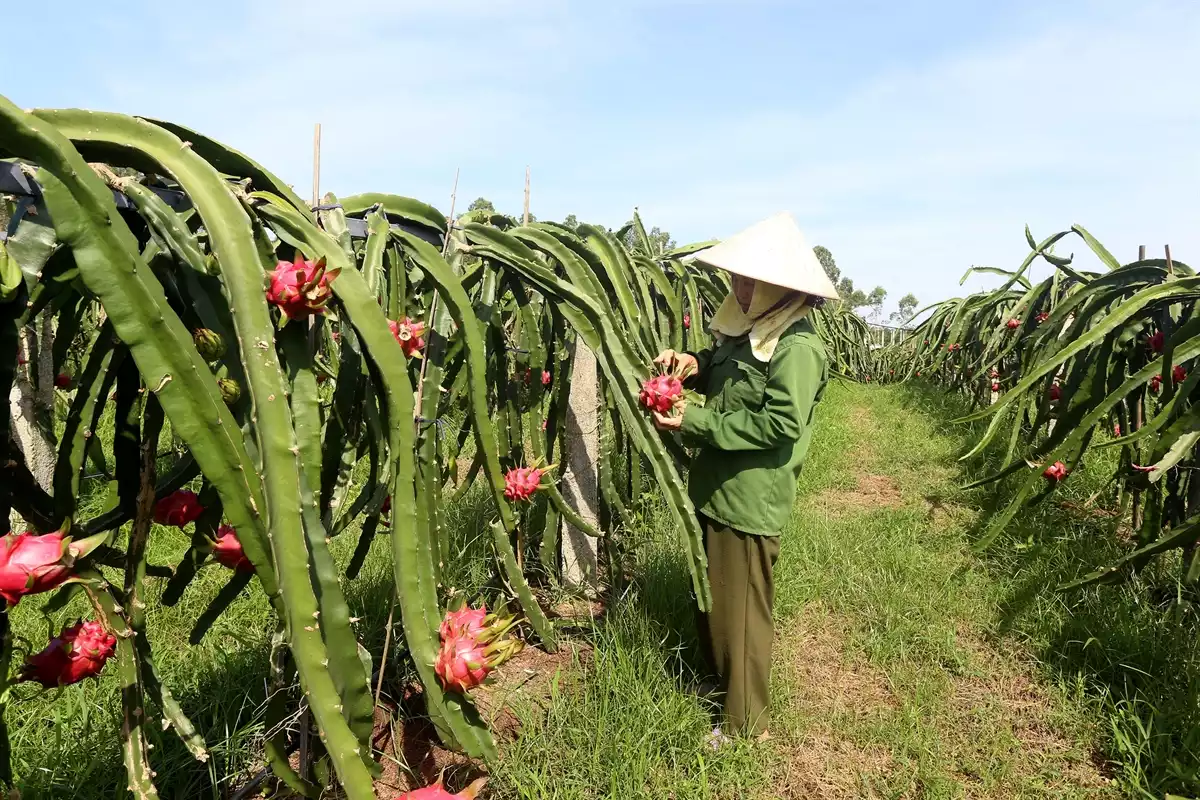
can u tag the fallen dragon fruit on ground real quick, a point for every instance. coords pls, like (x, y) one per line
(438, 792)
(473, 643)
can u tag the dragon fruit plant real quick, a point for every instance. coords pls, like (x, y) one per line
(252, 344)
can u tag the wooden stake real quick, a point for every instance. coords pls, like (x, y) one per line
(316, 195)
(1170, 266)
(526, 219)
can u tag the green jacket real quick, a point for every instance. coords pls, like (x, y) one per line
(754, 428)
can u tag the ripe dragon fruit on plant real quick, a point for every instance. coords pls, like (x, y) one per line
(301, 288)
(1013, 324)
(472, 646)
(438, 792)
(659, 393)
(995, 386)
(408, 335)
(1055, 393)
(78, 652)
(1178, 373)
(62, 380)
(178, 509)
(1155, 384)
(1042, 317)
(1055, 472)
(687, 321)
(520, 483)
(227, 550)
(1155, 342)
(31, 564)
(545, 377)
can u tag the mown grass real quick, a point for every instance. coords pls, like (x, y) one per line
(907, 666)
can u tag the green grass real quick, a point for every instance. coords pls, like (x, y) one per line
(906, 666)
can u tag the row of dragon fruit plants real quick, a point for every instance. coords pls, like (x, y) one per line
(1080, 362)
(281, 354)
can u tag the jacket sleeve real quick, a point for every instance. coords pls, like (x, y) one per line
(794, 377)
(703, 358)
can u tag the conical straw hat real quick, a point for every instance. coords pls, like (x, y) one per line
(774, 251)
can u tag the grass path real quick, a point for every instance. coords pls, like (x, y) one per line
(888, 681)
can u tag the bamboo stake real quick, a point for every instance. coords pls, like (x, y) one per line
(316, 194)
(526, 218)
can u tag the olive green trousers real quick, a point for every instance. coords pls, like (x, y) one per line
(736, 636)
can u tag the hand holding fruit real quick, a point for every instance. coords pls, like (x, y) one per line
(681, 365)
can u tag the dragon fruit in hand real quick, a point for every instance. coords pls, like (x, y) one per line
(659, 393)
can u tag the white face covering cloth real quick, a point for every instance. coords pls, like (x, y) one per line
(765, 320)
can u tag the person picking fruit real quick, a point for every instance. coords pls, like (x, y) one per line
(762, 379)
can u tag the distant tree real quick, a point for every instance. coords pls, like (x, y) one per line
(571, 222)
(875, 301)
(482, 204)
(905, 310)
(830, 266)
(660, 241)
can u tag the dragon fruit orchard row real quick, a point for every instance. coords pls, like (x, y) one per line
(285, 355)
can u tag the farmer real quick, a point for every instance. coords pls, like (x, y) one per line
(762, 378)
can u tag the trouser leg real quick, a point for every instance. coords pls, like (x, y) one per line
(740, 626)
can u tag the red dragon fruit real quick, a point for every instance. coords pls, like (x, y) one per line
(438, 792)
(687, 321)
(301, 288)
(1055, 472)
(227, 550)
(1178, 373)
(31, 564)
(1013, 324)
(545, 377)
(995, 386)
(62, 380)
(1155, 384)
(472, 647)
(408, 334)
(659, 393)
(1155, 342)
(78, 652)
(1055, 393)
(521, 483)
(466, 619)
(178, 509)
(1042, 317)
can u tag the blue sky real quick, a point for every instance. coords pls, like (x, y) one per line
(913, 139)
